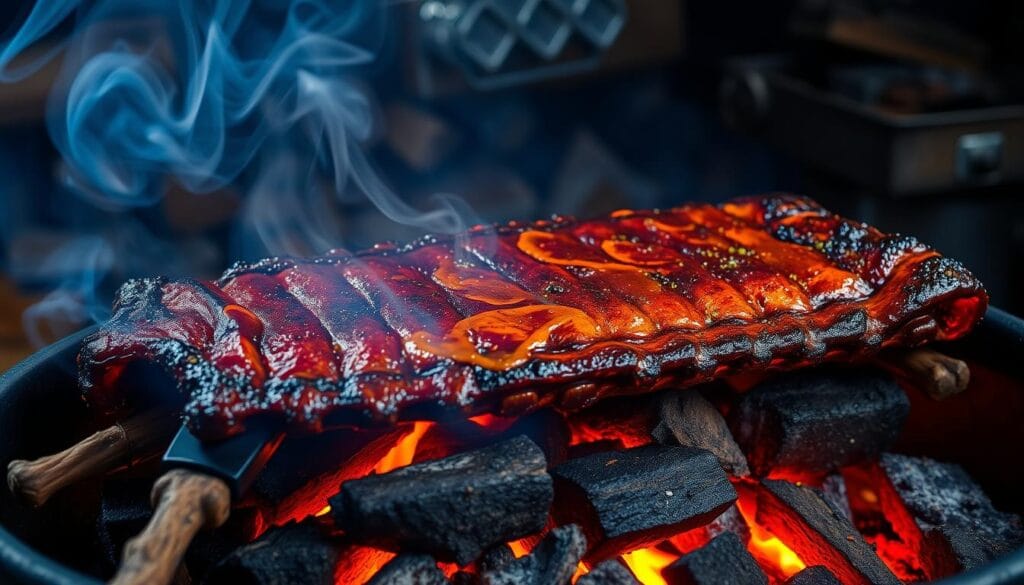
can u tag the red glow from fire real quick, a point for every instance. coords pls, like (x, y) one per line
(360, 564)
(493, 423)
(402, 453)
(766, 548)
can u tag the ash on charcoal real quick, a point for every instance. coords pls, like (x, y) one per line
(453, 508)
(723, 560)
(628, 499)
(293, 553)
(959, 527)
(495, 557)
(818, 420)
(552, 562)
(806, 523)
(687, 418)
(608, 573)
(410, 570)
(816, 575)
(592, 447)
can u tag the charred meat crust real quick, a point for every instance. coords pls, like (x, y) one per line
(511, 317)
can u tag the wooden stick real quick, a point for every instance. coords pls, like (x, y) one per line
(185, 501)
(118, 446)
(937, 374)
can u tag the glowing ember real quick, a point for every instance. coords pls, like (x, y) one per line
(402, 454)
(766, 548)
(647, 564)
(581, 570)
(518, 548)
(360, 565)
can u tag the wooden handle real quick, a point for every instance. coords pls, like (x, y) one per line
(186, 501)
(36, 481)
(937, 374)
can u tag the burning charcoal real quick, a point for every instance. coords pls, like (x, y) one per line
(728, 521)
(552, 562)
(819, 420)
(293, 553)
(349, 461)
(628, 420)
(688, 419)
(410, 570)
(301, 458)
(628, 499)
(453, 508)
(938, 511)
(608, 573)
(723, 560)
(496, 557)
(806, 523)
(454, 436)
(816, 575)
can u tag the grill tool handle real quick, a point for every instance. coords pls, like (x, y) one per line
(185, 501)
(133, 439)
(196, 493)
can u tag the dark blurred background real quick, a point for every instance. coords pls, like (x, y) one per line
(906, 114)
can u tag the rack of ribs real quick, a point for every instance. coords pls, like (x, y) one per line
(505, 319)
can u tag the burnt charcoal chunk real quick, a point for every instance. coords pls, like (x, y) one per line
(723, 560)
(608, 573)
(816, 575)
(833, 490)
(688, 419)
(293, 553)
(806, 523)
(959, 527)
(818, 420)
(453, 508)
(495, 557)
(409, 570)
(552, 562)
(628, 499)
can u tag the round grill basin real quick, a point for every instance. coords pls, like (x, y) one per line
(41, 412)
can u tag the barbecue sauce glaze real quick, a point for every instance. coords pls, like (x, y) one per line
(504, 319)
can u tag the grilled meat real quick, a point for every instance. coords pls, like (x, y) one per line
(554, 312)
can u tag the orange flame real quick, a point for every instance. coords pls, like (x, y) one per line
(765, 546)
(647, 564)
(402, 453)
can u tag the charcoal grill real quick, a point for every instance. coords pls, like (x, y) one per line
(41, 411)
